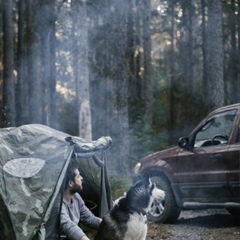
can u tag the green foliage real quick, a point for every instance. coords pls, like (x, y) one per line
(118, 184)
(143, 140)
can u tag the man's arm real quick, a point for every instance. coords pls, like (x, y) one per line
(70, 228)
(87, 217)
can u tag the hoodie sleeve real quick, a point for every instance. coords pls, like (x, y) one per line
(69, 227)
(87, 218)
(75, 213)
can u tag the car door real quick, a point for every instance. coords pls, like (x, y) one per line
(233, 165)
(202, 171)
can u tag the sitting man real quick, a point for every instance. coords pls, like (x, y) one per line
(74, 210)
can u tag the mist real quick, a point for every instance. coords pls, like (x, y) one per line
(142, 67)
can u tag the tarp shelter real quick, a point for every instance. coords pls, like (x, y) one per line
(33, 162)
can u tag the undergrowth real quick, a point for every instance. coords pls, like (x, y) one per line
(119, 184)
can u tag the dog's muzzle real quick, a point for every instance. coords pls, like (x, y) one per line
(158, 195)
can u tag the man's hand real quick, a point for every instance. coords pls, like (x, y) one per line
(84, 238)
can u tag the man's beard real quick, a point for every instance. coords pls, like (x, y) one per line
(75, 190)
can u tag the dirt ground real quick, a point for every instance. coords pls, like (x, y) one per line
(211, 224)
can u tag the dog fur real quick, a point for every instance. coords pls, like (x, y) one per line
(127, 220)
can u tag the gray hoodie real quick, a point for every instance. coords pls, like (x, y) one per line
(74, 213)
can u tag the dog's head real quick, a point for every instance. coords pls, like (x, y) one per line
(143, 193)
(116, 201)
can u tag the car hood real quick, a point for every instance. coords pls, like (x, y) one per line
(161, 155)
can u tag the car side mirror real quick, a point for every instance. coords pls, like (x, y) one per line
(183, 142)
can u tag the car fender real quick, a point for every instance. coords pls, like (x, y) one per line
(161, 167)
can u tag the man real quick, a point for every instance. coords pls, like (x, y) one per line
(74, 210)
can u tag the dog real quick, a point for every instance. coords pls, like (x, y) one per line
(127, 220)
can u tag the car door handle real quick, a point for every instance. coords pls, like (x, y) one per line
(216, 157)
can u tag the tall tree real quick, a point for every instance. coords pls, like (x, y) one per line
(52, 83)
(215, 54)
(81, 67)
(233, 67)
(34, 60)
(46, 58)
(137, 86)
(172, 87)
(187, 63)
(107, 81)
(8, 62)
(121, 78)
(138, 53)
(48, 61)
(130, 52)
(148, 78)
(204, 45)
(22, 87)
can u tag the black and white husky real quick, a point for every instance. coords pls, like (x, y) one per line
(127, 219)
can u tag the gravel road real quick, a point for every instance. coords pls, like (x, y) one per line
(210, 224)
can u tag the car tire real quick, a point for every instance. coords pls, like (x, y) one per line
(167, 211)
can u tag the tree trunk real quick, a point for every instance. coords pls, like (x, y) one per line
(187, 65)
(136, 85)
(81, 68)
(172, 88)
(8, 63)
(110, 104)
(52, 83)
(22, 87)
(148, 78)
(34, 61)
(122, 77)
(215, 54)
(138, 62)
(48, 62)
(204, 46)
(130, 52)
(233, 68)
(46, 58)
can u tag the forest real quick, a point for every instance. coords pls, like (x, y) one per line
(141, 71)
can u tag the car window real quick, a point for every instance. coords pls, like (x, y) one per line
(216, 131)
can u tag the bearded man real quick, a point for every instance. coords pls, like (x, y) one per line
(74, 210)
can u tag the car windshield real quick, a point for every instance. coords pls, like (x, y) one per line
(219, 125)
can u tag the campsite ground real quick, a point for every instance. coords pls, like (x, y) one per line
(211, 224)
(197, 225)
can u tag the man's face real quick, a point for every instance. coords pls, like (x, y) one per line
(77, 183)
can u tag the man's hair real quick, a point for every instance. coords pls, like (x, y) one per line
(70, 173)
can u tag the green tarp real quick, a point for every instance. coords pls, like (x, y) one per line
(33, 162)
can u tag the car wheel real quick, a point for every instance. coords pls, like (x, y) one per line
(166, 211)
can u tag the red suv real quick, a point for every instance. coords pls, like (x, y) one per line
(203, 171)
